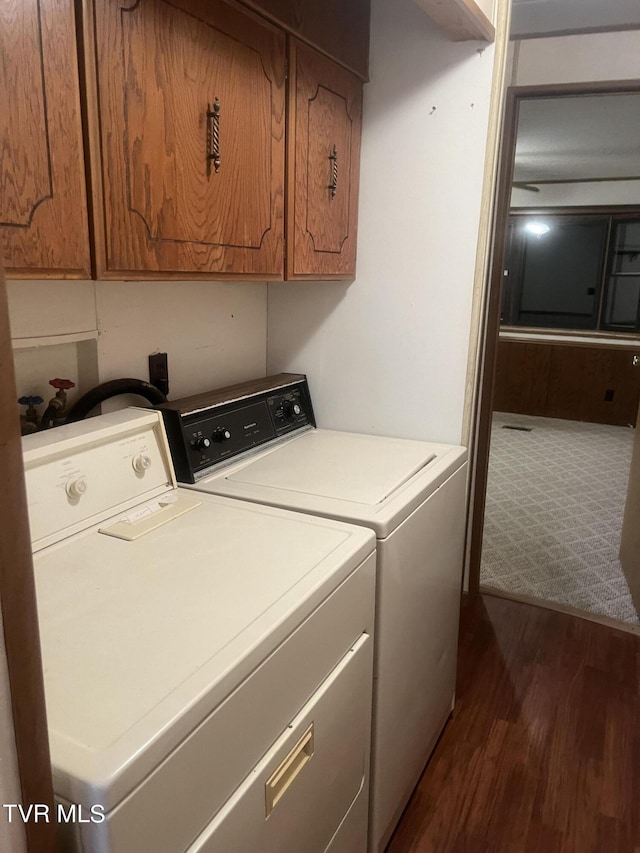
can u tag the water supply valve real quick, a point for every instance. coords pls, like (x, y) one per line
(62, 386)
(55, 411)
(29, 421)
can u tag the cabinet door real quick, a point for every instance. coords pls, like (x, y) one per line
(192, 110)
(43, 208)
(324, 163)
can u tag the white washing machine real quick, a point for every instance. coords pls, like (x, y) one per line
(207, 662)
(257, 442)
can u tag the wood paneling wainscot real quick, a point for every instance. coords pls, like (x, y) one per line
(189, 132)
(522, 378)
(43, 207)
(325, 126)
(595, 383)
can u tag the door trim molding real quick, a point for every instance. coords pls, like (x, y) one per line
(490, 323)
(19, 612)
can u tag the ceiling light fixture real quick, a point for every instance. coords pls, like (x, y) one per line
(539, 229)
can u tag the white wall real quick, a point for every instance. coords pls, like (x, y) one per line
(577, 59)
(213, 332)
(576, 195)
(388, 353)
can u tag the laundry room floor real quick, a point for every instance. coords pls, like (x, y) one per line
(542, 754)
(555, 501)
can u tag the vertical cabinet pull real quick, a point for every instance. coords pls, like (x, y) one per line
(213, 135)
(333, 186)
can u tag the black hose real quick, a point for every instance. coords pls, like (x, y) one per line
(100, 393)
(48, 419)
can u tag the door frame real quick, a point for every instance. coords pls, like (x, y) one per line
(19, 610)
(491, 321)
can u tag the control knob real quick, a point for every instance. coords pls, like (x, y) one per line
(291, 409)
(221, 434)
(201, 443)
(76, 487)
(141, 462)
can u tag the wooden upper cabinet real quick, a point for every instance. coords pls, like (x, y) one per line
(324, 162)
(339, 28)
(191, 121)
(43, 207)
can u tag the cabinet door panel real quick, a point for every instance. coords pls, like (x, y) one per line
(192, 78)
(324, 148)
(329, 160)
(43, 215)
(26, 179)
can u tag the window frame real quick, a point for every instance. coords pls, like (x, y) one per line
(511, 294)
(611, 275)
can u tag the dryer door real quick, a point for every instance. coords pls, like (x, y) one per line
(297, 797)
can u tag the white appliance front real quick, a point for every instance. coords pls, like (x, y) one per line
(412, 494)
(182, 637)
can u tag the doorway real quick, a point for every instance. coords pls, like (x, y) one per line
(559, 397)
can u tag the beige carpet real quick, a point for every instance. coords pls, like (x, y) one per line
(555, 501)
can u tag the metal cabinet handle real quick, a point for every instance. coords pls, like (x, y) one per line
(635, 361)
(213, 134)
(333, 186)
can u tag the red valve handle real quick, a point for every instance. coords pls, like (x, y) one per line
(63, 384)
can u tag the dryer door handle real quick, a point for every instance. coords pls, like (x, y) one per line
(285, 774)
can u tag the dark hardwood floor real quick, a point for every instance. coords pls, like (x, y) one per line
(542, 754)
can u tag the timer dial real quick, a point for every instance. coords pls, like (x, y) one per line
(291, 409)
(76, 487)
(221, 434)
(141, 462)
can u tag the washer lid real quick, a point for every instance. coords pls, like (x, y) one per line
(141, 639)
(361, 469)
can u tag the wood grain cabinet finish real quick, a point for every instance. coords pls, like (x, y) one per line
(325, 113)
(339, 28)
(191, 125)
(43, 207)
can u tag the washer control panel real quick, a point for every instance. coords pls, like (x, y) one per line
(80, 474)
(212, 429)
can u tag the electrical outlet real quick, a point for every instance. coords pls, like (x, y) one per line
(159, 371)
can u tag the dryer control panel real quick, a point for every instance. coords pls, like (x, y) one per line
(211, 429)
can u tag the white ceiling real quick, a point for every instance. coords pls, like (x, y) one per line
(569, 138)
(547, 16)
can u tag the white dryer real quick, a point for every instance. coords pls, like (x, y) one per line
(257, 442)
(207, 662)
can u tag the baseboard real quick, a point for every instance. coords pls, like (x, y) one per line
(561, 608)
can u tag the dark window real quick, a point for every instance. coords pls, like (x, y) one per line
(557, 266)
